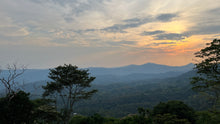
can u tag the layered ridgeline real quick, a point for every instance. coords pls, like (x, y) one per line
(148, 68)
(133, 73)
(122, 90)
(120, 99)
(112, 75)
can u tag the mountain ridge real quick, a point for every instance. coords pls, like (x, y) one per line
(148, 68)
(118, 74)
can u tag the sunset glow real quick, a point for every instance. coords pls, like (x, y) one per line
(105, 33)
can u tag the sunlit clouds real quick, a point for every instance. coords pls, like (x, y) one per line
(105, 32)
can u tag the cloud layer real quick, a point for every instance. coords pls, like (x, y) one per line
(105, 32)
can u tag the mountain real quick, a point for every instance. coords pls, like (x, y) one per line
(117, 99)
(110, 79)
(112, 75)
(30, 75)
(148, 68)
(120, 99)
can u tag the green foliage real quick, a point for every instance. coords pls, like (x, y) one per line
(208, 69)
(130, 119)
(94, 119)
(78, 119)
(134, 119)
(16, 108)
(69, 84)
(119, 100)
(165, 115)
(169, 119)
(177, 108)
(205, 117)
(44, 112)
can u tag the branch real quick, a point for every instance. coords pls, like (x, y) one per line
(9, 81)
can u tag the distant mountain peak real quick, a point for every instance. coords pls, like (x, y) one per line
(150, 63)
(190, 64)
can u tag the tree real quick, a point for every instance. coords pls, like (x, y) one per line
(169, 119)
(207, 117)
(9, 80)
(16, 107)
(70, 84)
(44, 112)
(208, 70)
(17, 110)
(176, 108)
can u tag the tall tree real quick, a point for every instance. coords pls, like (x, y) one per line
(70, 84)
(208, 69)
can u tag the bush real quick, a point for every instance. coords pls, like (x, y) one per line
(16, 108)
(175, 108)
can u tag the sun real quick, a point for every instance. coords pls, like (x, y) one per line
(174, 26)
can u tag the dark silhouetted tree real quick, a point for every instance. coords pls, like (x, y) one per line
(71, 85)
(17, 109)
(9, 79)
(44, 112)
(176, 108)
(208, 69)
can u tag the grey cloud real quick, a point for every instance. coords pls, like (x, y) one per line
(115, 28)
(77, 6)
(88, 30)
(161, 43)
(11, 39)
(205, 29)
(162, 35)
(170, 36)
(145, 33)
(128, 42)
(207, 24)
(166, 17)
(68, 19)
(121, 43)
(59, 2)
(215, 11)
(132, 20)
(84, 31)
(130, 23)
(61, 40)
(136, 22)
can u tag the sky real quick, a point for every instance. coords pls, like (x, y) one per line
(105, 33)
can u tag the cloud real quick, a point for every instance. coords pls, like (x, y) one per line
(206, 22)
(145, 33)
(133, 20)
(162, 35)
(129, 23)
(170, 36)
(162, 43)
(136, 22)
(166, 17)
(206, 29)
(215, 11)
(121, 43)
(116, 28)
(94, 24)
(14, 31)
